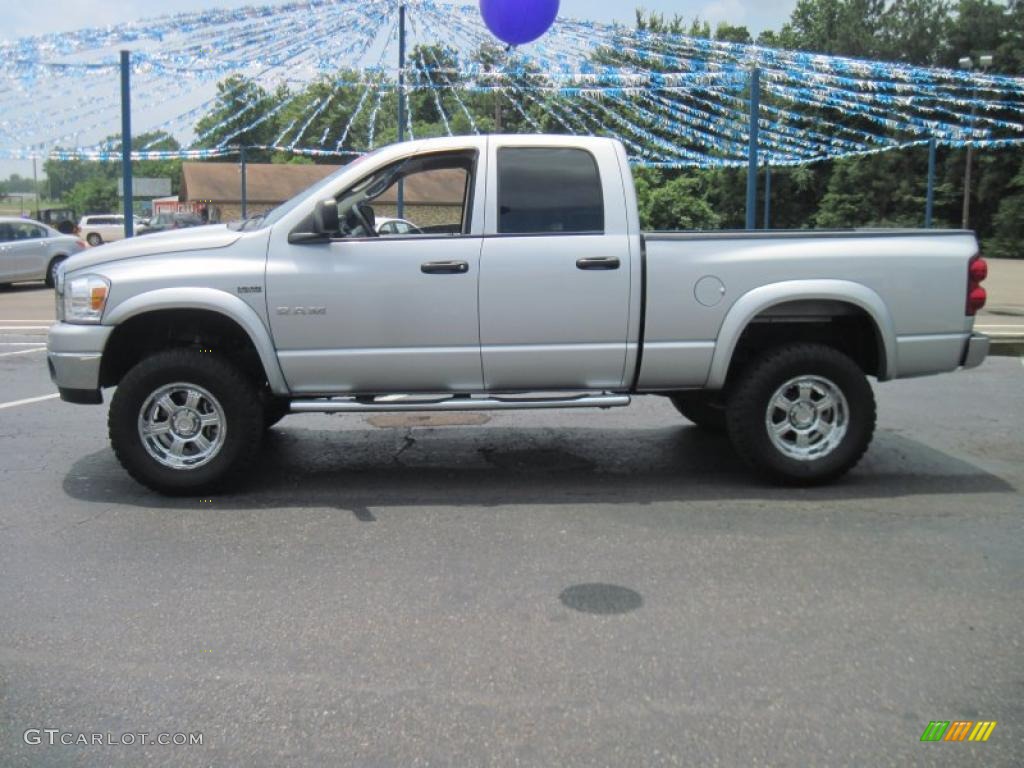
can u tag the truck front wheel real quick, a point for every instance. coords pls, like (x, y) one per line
(802, 414)
(704, 409)
(185, 422)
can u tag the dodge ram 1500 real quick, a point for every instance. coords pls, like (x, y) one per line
(523, 281)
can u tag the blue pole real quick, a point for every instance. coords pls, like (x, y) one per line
(755, 109)
(767, 197)
(929, 206)
(245, 186)
(401, 100)
(126, 143)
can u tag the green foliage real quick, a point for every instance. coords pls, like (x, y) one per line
(91, 187)
(94, 195)
(18, 184)
(673, 203)
(733, 34)
(1007, 240)
(239, 104)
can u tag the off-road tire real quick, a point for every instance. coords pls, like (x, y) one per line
(236, 394)
(747, 412)
(704, 409)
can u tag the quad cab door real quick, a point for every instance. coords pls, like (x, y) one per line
(555, 276)
(363, 313)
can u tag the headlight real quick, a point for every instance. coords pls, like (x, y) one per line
(85, 298)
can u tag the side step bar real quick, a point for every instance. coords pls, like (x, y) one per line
(392, 403)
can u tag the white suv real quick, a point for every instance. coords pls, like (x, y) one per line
(100, 228)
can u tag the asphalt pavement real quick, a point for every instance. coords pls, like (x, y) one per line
(580, 588)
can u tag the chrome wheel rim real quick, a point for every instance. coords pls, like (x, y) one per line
(807, 418)
(182, 426)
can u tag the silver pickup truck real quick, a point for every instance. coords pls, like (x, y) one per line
(522, 281)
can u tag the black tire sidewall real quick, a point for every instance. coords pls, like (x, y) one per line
(749, 403)
(237, 397)
(51, 269)
(703, 409)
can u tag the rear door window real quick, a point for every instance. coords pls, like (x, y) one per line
(549, 191)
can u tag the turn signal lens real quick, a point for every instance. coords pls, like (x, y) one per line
(85, 298)
(978, 270)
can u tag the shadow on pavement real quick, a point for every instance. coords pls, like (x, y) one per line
(355, 470)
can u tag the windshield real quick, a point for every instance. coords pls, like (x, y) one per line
(274, 215)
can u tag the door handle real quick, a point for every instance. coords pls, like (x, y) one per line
(599, 263)
(445, 268)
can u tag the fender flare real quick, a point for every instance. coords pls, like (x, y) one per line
(753, 303)
(212, 300)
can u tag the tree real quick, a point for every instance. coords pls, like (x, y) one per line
(733, 34)
(1007, 240)
(835, 27)
(243, 115)
(678, 203)
(912, 31)
(94, 195)
(979, 27)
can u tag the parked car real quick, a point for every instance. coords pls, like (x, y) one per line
(30, 250)
(549, 286)
(97, 229)
(163, 222)
(393, 227)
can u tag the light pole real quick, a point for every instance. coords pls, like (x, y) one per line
(967, 62)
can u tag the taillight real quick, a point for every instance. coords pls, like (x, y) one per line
(977, 271)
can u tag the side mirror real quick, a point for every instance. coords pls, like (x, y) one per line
(325, 217)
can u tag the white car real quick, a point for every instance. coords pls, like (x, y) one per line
(100, 228)
(393, 227)
(32, 251)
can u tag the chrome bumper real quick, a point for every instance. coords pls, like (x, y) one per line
(74, 353)
(976, 350)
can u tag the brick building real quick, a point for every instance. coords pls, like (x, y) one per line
(431, 199)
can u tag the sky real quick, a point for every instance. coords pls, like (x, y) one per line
(24, 19)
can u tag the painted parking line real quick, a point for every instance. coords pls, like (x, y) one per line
(24, 327)
(22, 352)
(28, 401)
(22, 343)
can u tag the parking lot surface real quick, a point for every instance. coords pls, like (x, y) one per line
(538, 589)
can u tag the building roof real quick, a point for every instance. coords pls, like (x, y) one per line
(273, 183)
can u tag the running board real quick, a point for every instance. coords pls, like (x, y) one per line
(392, 403)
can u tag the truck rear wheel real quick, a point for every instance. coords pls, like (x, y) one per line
(802, 414)
(184, 422)
(704, 409)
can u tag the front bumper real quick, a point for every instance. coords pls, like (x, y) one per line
(73, 355)
(975, 350)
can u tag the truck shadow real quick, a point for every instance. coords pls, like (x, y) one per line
(360, 469)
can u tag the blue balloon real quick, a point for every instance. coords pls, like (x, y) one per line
(519, 21)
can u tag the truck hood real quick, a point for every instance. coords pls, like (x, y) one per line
(174, 241)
